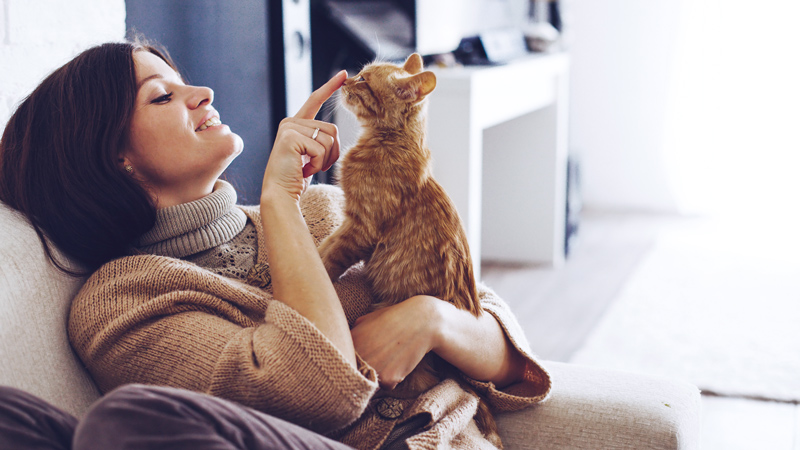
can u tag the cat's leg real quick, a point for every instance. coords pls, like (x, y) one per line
(343, 248)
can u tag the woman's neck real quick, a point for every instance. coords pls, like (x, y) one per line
(164, 198)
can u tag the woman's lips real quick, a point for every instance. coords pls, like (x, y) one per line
(212, 121)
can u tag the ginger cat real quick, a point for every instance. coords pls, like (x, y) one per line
(398, 219)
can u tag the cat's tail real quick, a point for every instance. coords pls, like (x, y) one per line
(469, 285)
(486, 424)
(484, 417)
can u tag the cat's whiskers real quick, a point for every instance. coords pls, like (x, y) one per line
(378, 54)
(330, 107)
(378, 42)
(335, 107)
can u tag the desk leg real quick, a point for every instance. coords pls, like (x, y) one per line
(457, 162)
(525, 187)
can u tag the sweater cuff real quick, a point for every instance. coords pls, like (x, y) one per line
(536, 383)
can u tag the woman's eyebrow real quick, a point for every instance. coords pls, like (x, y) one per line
(151, 77)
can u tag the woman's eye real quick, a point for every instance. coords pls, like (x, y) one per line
(163, 99)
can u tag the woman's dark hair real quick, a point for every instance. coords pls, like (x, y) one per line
(60, 158)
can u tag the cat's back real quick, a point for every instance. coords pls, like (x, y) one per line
(424, 250)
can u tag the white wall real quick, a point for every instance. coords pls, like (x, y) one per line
(621, 54)
(38, 36)
(733, 145)
(688, 106)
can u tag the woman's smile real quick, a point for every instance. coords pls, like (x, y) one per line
(210, 120)
(210, 123)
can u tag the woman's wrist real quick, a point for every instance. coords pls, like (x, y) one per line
(477, 346)
(431, 313)
(439, 313)
(276, 205)
(277, 197)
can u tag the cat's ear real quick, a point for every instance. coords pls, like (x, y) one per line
(427, 82)
(413, 64)
(415, 88)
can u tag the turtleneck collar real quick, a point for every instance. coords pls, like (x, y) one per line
(189, 228)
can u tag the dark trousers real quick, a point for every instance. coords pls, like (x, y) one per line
(148, 417)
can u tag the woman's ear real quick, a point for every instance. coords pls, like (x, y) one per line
(125, 164)
(413, 64)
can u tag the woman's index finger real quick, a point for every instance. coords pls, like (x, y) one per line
(311, 107)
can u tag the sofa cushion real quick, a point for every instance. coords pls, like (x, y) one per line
(591, 408)
(34, 302)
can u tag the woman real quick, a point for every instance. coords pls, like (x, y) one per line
(116, 160)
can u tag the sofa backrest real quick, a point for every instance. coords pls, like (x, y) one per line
(35, 355)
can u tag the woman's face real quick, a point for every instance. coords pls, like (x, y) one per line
(178, 147)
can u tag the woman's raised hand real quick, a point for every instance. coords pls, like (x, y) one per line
(300, 150)
(298, 277)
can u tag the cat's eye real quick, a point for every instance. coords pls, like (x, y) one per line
(360, 79)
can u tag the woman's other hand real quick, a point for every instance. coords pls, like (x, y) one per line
(300, 150)
(394, 339)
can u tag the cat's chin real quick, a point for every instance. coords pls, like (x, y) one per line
(362, 118)
(351, 108)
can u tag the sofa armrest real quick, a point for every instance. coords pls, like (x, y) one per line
(592, 408)
(35, 355)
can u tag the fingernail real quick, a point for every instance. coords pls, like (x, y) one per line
(342, 72)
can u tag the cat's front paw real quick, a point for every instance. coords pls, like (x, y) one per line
(334, 272)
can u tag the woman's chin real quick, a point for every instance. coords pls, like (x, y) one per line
(234, 151)
(234, 147)
(238, 145)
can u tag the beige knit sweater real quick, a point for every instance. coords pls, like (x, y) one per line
(160, 320)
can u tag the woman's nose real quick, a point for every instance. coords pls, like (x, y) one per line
(201, 95)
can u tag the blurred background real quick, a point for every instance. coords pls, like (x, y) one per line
(681, 146)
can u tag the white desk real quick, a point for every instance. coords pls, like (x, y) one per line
(499, 141)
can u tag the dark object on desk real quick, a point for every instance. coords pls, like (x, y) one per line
(542, 33)
(470, 52)
(491, 47)
(551, 12)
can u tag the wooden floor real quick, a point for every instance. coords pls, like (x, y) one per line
(558, 308)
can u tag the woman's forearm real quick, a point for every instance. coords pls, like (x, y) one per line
(477, 346)
(298, 277)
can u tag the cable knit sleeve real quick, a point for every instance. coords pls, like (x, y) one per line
(156, 320)
(535, 385)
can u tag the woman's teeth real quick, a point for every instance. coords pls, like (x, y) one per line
(210, 123)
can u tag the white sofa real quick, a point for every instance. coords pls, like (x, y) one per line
(588, 409)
